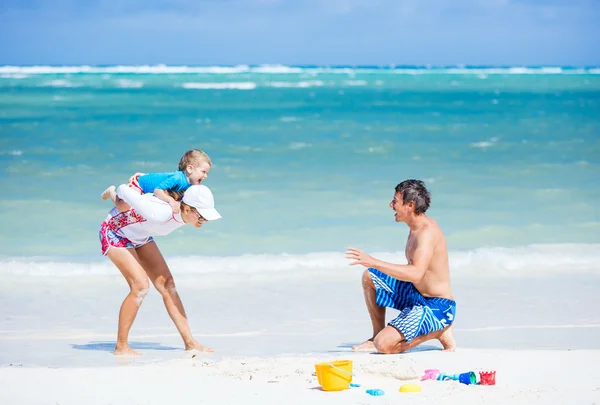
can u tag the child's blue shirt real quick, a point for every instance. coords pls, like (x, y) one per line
(176, 181)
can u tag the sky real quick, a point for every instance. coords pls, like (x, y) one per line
(300, 32)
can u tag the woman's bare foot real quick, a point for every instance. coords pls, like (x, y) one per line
(193, 345)
(125, 351)
(106, 194)
(447, 340)
(367, 345)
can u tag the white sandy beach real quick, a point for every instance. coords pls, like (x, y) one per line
(523, 377)
(540, 333)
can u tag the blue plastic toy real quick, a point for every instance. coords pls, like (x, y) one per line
(435, 374)
(376, 392)
(465, 378)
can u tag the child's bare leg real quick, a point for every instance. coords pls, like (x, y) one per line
(121, 205)
(111, 193)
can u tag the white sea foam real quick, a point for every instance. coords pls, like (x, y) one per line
(14, 152)
(482, 145)
(356, 82)
(59, 83)
(531, 260)
(289, 119)
(277, 69)
(299, 145)
(220, 86)
(130, 84)
(376, 149)
(486, 144)
(13, 76)
(300, 84)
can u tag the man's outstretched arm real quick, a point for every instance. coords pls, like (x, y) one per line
(413, 273)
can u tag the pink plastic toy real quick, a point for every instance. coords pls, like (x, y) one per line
(430, 374)
(467, 378)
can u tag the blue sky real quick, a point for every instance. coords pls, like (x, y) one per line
(301, 32)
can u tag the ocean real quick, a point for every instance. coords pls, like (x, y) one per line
(305, 161)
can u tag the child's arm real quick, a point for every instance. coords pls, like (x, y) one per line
(170, 183)
(163, 195)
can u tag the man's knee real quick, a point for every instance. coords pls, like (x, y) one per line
(383, 345)
(389, 341)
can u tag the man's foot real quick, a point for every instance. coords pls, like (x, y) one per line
(197, 346)
(107, 193)
(125, 351)
(365, 346)
(447, 340)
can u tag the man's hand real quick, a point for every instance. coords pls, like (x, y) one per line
(359, 257)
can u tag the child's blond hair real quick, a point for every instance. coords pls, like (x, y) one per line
(193, 157)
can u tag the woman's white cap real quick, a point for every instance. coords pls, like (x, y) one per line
(201, 198)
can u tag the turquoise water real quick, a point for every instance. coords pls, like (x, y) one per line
(305, 159)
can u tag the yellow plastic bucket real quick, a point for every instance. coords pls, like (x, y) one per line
(334, 375)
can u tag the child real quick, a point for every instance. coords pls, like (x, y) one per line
(193, 168)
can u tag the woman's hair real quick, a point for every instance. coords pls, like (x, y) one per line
(186, 205)
(193, 209)
(176, 195)
(194, 157)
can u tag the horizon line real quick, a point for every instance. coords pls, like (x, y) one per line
(308, 66)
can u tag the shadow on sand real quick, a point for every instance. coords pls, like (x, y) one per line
(110, 346)
(347, 347)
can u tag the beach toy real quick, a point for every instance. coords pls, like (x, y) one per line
(352, 385)
(430, 374)
(467, 378)
(334, 375)
(445, 377)
(487, 377)
(376, 392)
(410, 388)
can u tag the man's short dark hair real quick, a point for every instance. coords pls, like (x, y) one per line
(415, 191)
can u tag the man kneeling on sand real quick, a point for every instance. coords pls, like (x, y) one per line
(420, 290)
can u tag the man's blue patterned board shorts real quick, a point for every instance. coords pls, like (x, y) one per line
(419, 315)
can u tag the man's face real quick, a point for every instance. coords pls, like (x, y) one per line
(401, 211)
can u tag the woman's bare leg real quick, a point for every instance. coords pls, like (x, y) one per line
(156, 268)
(127, 262)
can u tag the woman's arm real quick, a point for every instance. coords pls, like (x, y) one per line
(146, 205)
